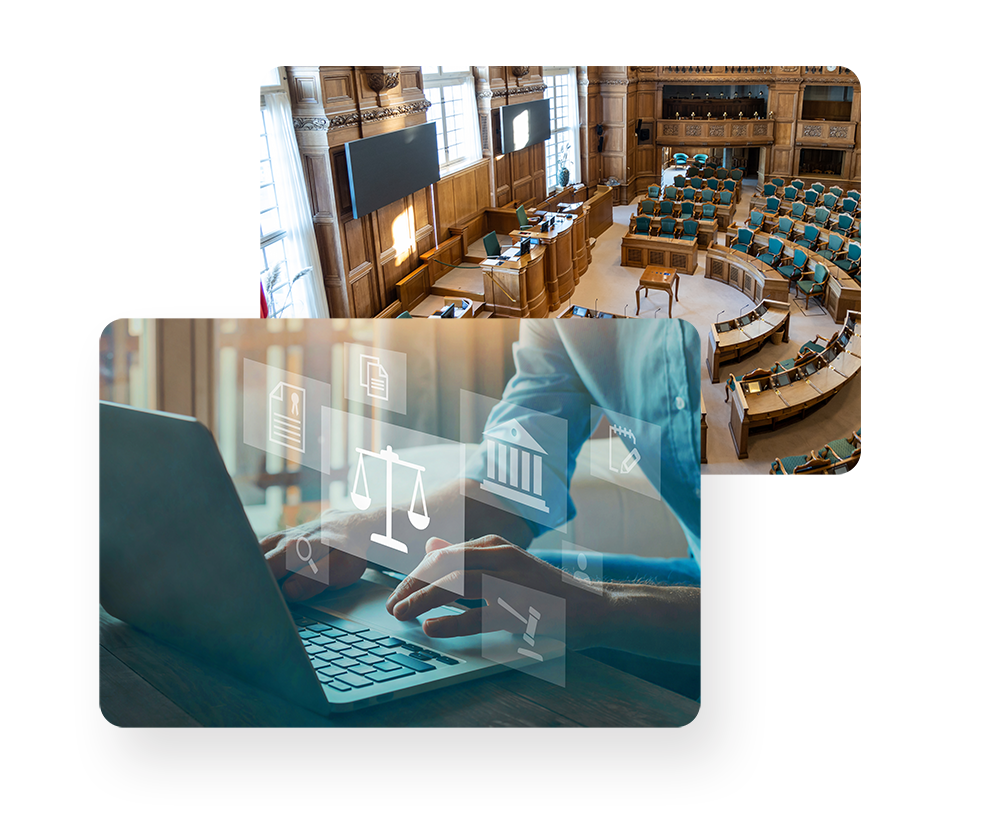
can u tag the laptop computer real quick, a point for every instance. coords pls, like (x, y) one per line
(179, 560)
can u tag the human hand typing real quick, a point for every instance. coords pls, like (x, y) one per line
(325, 539)
(436, 578)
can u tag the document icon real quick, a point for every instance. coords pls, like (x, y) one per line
(374, 378)
(286, 416)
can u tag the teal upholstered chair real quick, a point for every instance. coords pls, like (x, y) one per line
(729, 185)
(833, 246)
(687, 209)
(653, 191)
(647, 207)
(722, 172)
(837, 191)
(522, 218)
(772, 256)
(849, 205)
(679, 180)
(689, 230)
(811, 197)
(769, 190)
(798, 210)
(405, 315)
(707, 196)
(854, 194)
(680, 159)
(821, 216)
(810, 236)
(756, 220)
(492, 244)
(818, 188)
(787, 465)
(845, 224)
(712, 183)
(830, 201)
(813, 346)
(725, 197)
(799, 184)
(736, 175)
(642, 225)
(667, 227)
(778, 182)
(814, 286)
(689, 194)
(670, 193)
(785, 228)
(771, 206)
(790, 193)
(843, 449)
(665, 208)
(793, 270)
(851, 262)
(697, 182)
(701, 158)
(708, 211)
(744, 240)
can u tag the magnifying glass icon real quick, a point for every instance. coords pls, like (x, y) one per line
(308, 557)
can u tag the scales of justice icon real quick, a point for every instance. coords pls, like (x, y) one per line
(420, 520)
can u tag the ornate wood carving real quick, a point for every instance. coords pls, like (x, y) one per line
(812, 131)
(380, 81)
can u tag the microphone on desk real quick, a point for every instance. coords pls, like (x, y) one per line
(718, 315)
(747, 305)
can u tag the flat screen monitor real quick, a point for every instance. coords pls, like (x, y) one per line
(745, 320)
(524, 124)
(810, 368)
(783, 379)
(843, 339)
(385, 168)
(722, 327)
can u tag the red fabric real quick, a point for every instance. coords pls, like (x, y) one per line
(263, 304)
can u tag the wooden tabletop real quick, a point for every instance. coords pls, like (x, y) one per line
(657, 276)
(145, 683)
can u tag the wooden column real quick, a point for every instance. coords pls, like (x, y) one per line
(614, 159)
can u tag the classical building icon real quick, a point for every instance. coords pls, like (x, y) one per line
(514, 465)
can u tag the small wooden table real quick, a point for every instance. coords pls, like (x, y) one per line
(659, 278)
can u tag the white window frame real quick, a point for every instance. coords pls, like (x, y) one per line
(568, 131)
(454, 157)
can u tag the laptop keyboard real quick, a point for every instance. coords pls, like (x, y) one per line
(347, 655)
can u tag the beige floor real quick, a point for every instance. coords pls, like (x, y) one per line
(609, 286)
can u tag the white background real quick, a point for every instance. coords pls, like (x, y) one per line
(850, 626)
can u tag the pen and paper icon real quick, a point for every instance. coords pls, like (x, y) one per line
(631, 459)
(374, 378)
(286, 416)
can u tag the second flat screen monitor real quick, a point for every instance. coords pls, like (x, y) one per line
(385, 168)
(524, 124)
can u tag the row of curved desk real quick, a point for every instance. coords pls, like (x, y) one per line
(843, 292)
(747, 274)
(732, 340)
(764, 402)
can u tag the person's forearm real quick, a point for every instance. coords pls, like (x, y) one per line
(648, 619)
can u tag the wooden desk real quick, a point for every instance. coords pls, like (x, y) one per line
(561, 277)
(601, 210)
(659, 278)
(734, 344)
(517, 287)
(145, 683)
(752, 411)
(749, 275)
(643, 251)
